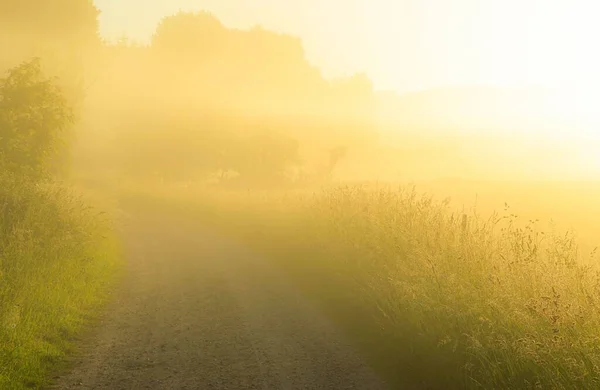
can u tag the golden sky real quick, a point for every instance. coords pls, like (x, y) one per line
(407, 45)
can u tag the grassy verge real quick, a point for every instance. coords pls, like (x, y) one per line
(58, 258)
(435, 299)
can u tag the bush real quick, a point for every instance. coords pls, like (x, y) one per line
(57, 255)
(34, 119)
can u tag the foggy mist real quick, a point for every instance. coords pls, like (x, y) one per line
(237, 192)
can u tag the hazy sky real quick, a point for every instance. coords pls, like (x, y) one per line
(410, 44)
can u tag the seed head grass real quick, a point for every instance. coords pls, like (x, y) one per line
(437, 298)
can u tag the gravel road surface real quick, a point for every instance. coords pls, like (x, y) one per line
(199, 311)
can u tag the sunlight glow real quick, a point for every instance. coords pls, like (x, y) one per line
(539, 53)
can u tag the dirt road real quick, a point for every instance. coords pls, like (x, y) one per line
(198, 311)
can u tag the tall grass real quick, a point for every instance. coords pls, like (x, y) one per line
(57, 259)
(437, 298)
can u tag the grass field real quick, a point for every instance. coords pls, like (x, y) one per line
(439, 296)
(58, 258)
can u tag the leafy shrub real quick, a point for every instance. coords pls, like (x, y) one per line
(34, 119)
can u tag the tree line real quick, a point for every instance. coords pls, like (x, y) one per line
(198, 99)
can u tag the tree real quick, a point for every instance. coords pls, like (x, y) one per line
(64, 33)
(173, 150)
(232, 67)
(192, 36)
(263, 158)
(199, 80)
(74, 20)
(34, 119)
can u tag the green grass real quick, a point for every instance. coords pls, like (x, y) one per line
(58, 260)
(437, 299)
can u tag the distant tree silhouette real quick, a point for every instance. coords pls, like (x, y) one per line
(262, 158)
(335, 155)
(64, 33)
(189, 37)
(71, 21)
(251, 95)
(255, 64)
